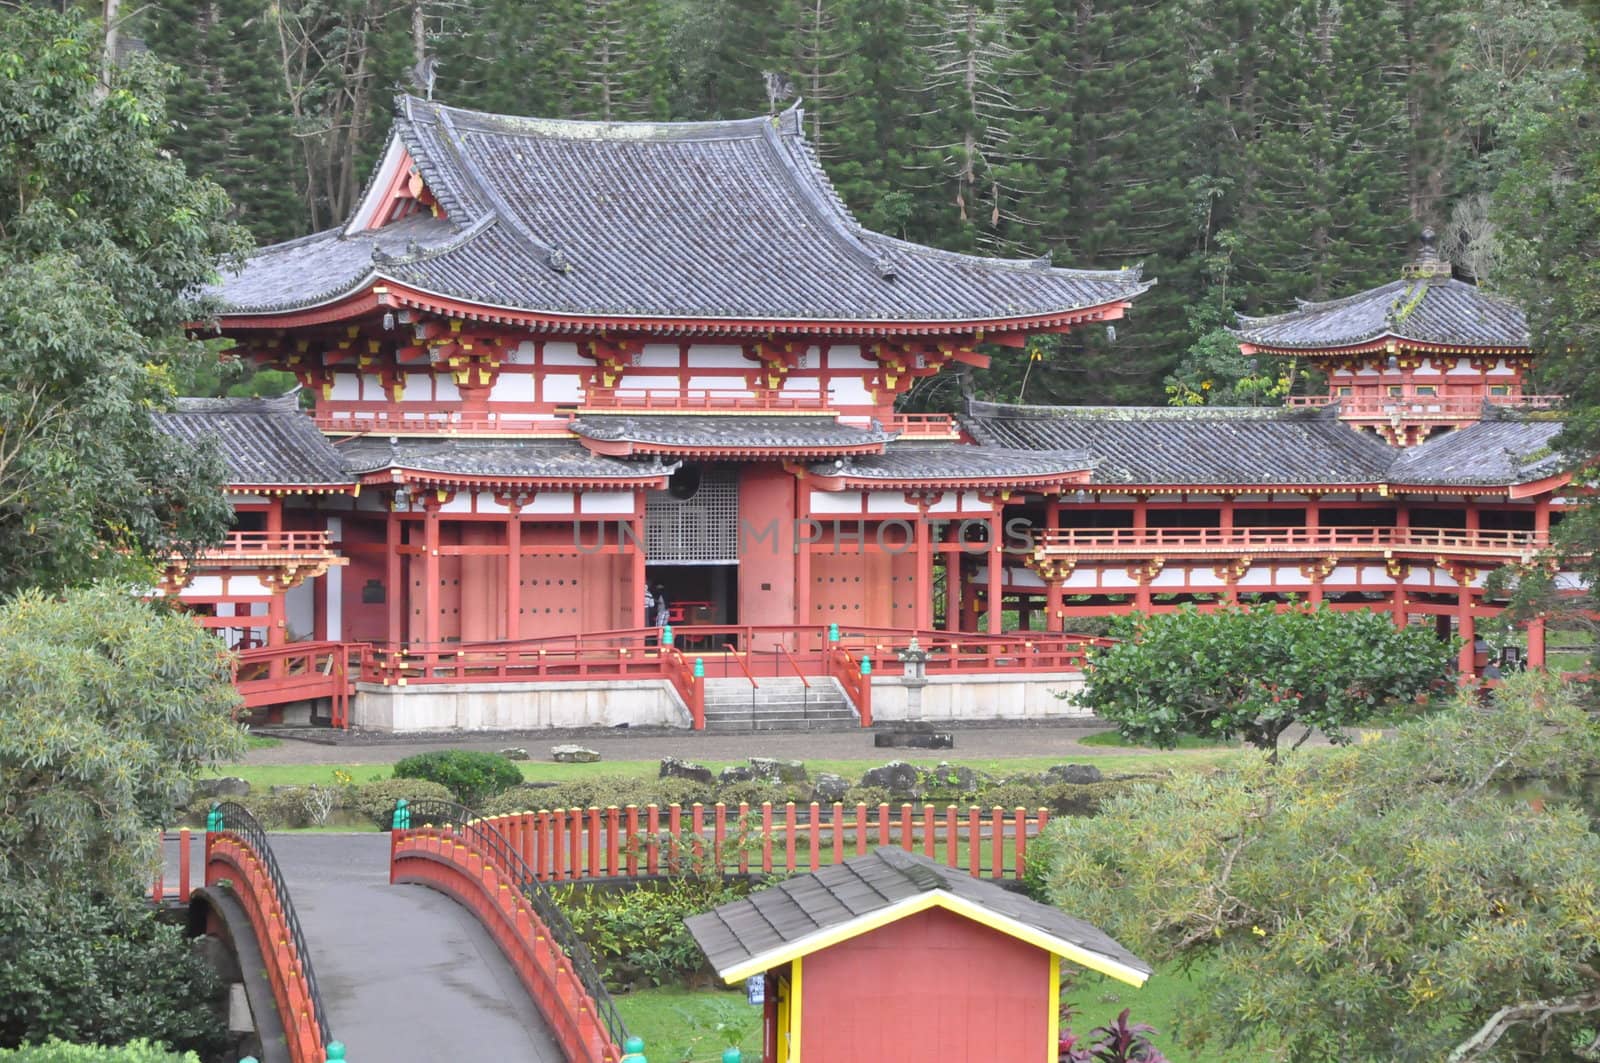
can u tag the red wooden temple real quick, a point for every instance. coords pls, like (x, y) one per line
(554, 364)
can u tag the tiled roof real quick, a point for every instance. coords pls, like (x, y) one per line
(1425, 306)
(766, 433)
(1490, 453)
(788, 913)
(1161, 445)
(935, 462)
(265, 442)
(513, 459)
(700, 220)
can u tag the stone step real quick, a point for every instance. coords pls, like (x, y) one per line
(786, 699)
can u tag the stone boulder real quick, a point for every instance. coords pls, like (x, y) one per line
(735, 773)
(673, 768)
(902, 780)
(1078, 774)
(947, 780)
(779, 770)
(829, 788)
(518, 753)
(227, 786)
(922, 739)
(572, 754)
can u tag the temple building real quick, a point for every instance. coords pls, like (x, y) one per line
(559, 371)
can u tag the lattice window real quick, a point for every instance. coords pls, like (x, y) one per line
(700, 530)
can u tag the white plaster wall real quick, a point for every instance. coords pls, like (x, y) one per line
(849, 391)
(606, 502)
(550, 502)
(563, 387)
(564, 354)
(835, 501)
(513, 387)
(849, 358)
(516, 706)
(335, 578)
(982, 697)
(718, 357)
(657, 356)
(300, 610)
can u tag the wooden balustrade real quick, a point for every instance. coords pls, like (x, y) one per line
(440, 422)
(1345, 540)
(1420, 406)
(570, 845)
(698, 400)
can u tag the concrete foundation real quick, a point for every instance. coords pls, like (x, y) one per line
(952, 698)
(516, 706)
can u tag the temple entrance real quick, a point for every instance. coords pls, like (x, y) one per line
(698, 594)
(692, 541)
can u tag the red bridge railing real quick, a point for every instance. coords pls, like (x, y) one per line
(301, 671)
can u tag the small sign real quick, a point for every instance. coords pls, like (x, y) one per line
(755, 989)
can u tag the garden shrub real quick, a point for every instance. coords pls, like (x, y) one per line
(94, 970)
(375, 800)
(871, 796)
(54, 1051)
(636, 934)
(471, 776)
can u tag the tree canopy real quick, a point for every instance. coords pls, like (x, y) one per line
(104, 242)
(1254, 673)
(109, 706)
(1387, 901)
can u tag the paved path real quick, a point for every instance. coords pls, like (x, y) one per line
(972, 743)
(407, 975)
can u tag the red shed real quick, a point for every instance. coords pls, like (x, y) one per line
(893, 957)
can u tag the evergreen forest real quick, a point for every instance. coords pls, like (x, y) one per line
(1245, 152)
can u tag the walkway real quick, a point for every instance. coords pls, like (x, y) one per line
(407, 975)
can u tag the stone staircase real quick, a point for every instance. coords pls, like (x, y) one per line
(783, 704)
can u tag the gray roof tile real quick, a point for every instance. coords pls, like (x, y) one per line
(794, 909)
(265, 442)
(774, 433)
(1423, 309)
(701, 220)
(514, 459)
(935, 462)
(1490, 453)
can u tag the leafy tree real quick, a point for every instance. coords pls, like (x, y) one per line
(103, 240)
(94, 969)
(1254, 673)
(109, 706)
(1387, 901)
(54, 1051)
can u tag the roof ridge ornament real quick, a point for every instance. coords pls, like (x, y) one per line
(1428, 265)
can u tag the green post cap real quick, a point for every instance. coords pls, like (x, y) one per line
(402, 821)
(699, 667)
(248, 1059)
(666, 634)
(335, 1052)
(633, 1050)
(732, 1055)
(833, 632)
(866, 665)
(214, 819)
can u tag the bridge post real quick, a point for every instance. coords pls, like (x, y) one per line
(335, 1052)
(632, 1050)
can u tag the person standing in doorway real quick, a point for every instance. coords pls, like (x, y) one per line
(650, 613)
(663, 611)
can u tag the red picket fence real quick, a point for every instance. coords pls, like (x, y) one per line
(569, 845)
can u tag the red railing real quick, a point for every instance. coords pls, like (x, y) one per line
(566, 845)
(159, 893)
(254, 544)
(302, 671)
(1128, 541)
(690, 687)
(691, 400)
(852, 679)
(922, 425)
(738, 658)
(1421, 406)
(439, 422)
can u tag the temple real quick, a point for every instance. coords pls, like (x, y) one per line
(557, 369)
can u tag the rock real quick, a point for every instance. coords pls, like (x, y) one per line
(518, 753)
(898, 777)
(1074, 773)
(914, 740)
(779, 770)
(673, 768)
(829, 788)
(946, 779)
(285, 789)
(227, 786)
(571, 754)
(735, 773)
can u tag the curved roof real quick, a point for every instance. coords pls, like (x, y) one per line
(715, 221)
(1426, 306)
(265, 442)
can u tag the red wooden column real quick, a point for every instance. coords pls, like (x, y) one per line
(996, 600)
(1541, 532)
(277, 613)
(514, 570)
(1467, 629)
(430, 570)
(275, 515)
(394, 581)
(923, 614)
(802, 532)
(637, 560)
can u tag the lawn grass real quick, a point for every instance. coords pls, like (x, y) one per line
(255, 741)
(1114, 740)
(264, 775)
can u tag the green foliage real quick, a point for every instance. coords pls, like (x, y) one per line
(1254, 673)
(471, 776)
(109, 706)
(104, 241)
(1379, 902)
(375, 800)
(54, 1051)
(94, 970)
(637, 934)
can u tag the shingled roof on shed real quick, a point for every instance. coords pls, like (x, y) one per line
(1425, 306)
(265, 442)
(802, 914)
(708, 221)
(1200, 446)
